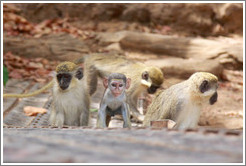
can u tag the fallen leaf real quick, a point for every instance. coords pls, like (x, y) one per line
(33, 111)
(35, 65)
(42, 72)
(41, 80)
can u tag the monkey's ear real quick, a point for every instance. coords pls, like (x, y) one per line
(145, 75)
(128, 83)
(79, 73)
(105, 82)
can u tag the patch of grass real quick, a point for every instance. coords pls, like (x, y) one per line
(5, 75)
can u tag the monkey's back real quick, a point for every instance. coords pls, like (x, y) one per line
(107, 64)
(166, 103)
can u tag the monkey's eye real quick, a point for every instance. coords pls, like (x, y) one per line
(204, 86)
(145, 75)
(59, 76)
(121, 85)
(113, 85)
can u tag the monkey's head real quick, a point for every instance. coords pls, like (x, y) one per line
(117, 83)
(152, 77)
(205, 85)
(65, 74)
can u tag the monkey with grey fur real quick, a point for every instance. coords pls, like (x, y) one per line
(114, 100)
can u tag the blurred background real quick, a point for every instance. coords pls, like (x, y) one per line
(180, 38)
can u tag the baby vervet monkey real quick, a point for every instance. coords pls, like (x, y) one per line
(71, 102)
(182, 102)
(114, 100)
(144, 79)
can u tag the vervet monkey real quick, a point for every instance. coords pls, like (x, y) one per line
(114, 100)
(182, 102)
(71, 102)
(144, 79)
(70, 97)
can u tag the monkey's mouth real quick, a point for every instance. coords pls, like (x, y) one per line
(64, 87)
(116, 94)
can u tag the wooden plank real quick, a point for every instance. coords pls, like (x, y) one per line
(119, 146)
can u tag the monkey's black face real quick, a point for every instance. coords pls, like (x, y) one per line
(64, 80)
(204, 87)
(213, 99)
(152, 89)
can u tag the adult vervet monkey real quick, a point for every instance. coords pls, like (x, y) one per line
(71, 102)
(183, 102)
(70, 97)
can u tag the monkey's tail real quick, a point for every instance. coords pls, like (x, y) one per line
(47, 86)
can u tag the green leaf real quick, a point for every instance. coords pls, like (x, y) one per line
(93, 110)
(5, 75)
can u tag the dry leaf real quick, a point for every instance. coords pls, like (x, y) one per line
(35, 65)
(41, 80)
(33, 111)
(36, 69)
(15, 74)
